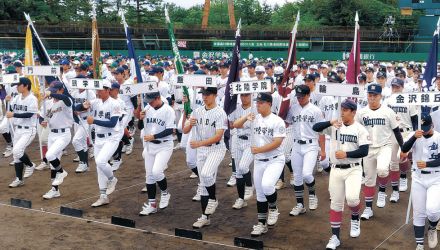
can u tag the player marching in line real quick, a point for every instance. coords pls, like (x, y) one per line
(5, 126)
(105, 116)
(268, 131)
(243, 156)
(307, 144)
(209, 124)
(23, 109)
(131, 105)
(425, 184)
(381, 123)
(191, 153)
(58, 116)
(79, 140)
(349, 144)
(117, 156)
(407, 119)
(157, 123)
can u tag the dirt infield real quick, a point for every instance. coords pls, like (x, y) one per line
(26, 229)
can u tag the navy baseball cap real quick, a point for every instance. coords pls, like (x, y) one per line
(119, 70)
(310, 77)
(64, 62)
(149, 97)
(22, 80)
(18, 64)
(302, 90)
(426, 122)
(146, 62)
(55, 86)
(264, 97)
(400, 72)
(397, 82)
(381, 74)
(209, 91)
(252, 65)
(374, 89)
(125, 67)
(115, 85)
(362, 77)
(369, 69)
(349, 104)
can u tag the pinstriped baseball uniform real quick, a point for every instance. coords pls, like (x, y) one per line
(209, 157)
(242, 138)
(79, 140)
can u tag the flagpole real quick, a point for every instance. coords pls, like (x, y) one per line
(356, 28)
(31, 24)
(178, 63)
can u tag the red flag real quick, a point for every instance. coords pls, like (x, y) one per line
(354, 61)
(284, 90)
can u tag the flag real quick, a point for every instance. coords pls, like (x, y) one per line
(177, 61)
(134, 65)
(40, 50)
(354, 61)
(284, 90)
(96, 48)
(431, 62)
(29, 61)
(230, 102)
(181, 44)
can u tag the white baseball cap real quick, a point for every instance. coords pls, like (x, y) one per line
(278, 70)
(313, 66)
(324, 66)
(106, 83)
(260, 68)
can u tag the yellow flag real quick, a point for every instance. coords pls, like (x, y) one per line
(29, 61)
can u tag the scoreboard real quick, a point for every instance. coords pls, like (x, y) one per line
(431, 7)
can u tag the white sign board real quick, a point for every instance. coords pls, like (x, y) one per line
(9, 78)
(138, 88)
(83, 83)
(424, 99)
(194, 80)
(247, 87)
(338, 89)
(42, 70)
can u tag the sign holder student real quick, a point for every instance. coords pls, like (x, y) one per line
(8, 80)
(87, 84)
(194, 81)
(415, 99)
(251, 87)
(41, 71)
(340, 90)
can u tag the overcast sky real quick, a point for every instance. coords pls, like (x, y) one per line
(189, 3)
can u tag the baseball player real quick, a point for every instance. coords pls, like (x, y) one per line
(79, 140)
(114, 93)
(131, 105)
(268, 132)
(158, 120)
(11, 92)
(191, 153)
(23, 108)
(106, 113)
(243, 156)
(58, 116)
(306, 147)
(209, 124)
(407, 119)
(381, 123)
(346, 174)
(425, 185)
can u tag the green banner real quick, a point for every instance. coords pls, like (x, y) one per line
(259, 44)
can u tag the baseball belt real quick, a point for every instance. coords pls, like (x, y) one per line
(268, 159)
(303, 142)
(244, 137)
(103, 135)
(346, 166)
(60, 130)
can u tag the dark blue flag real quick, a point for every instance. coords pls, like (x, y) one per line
(431, 64)
(134, 66)
(230, 102)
